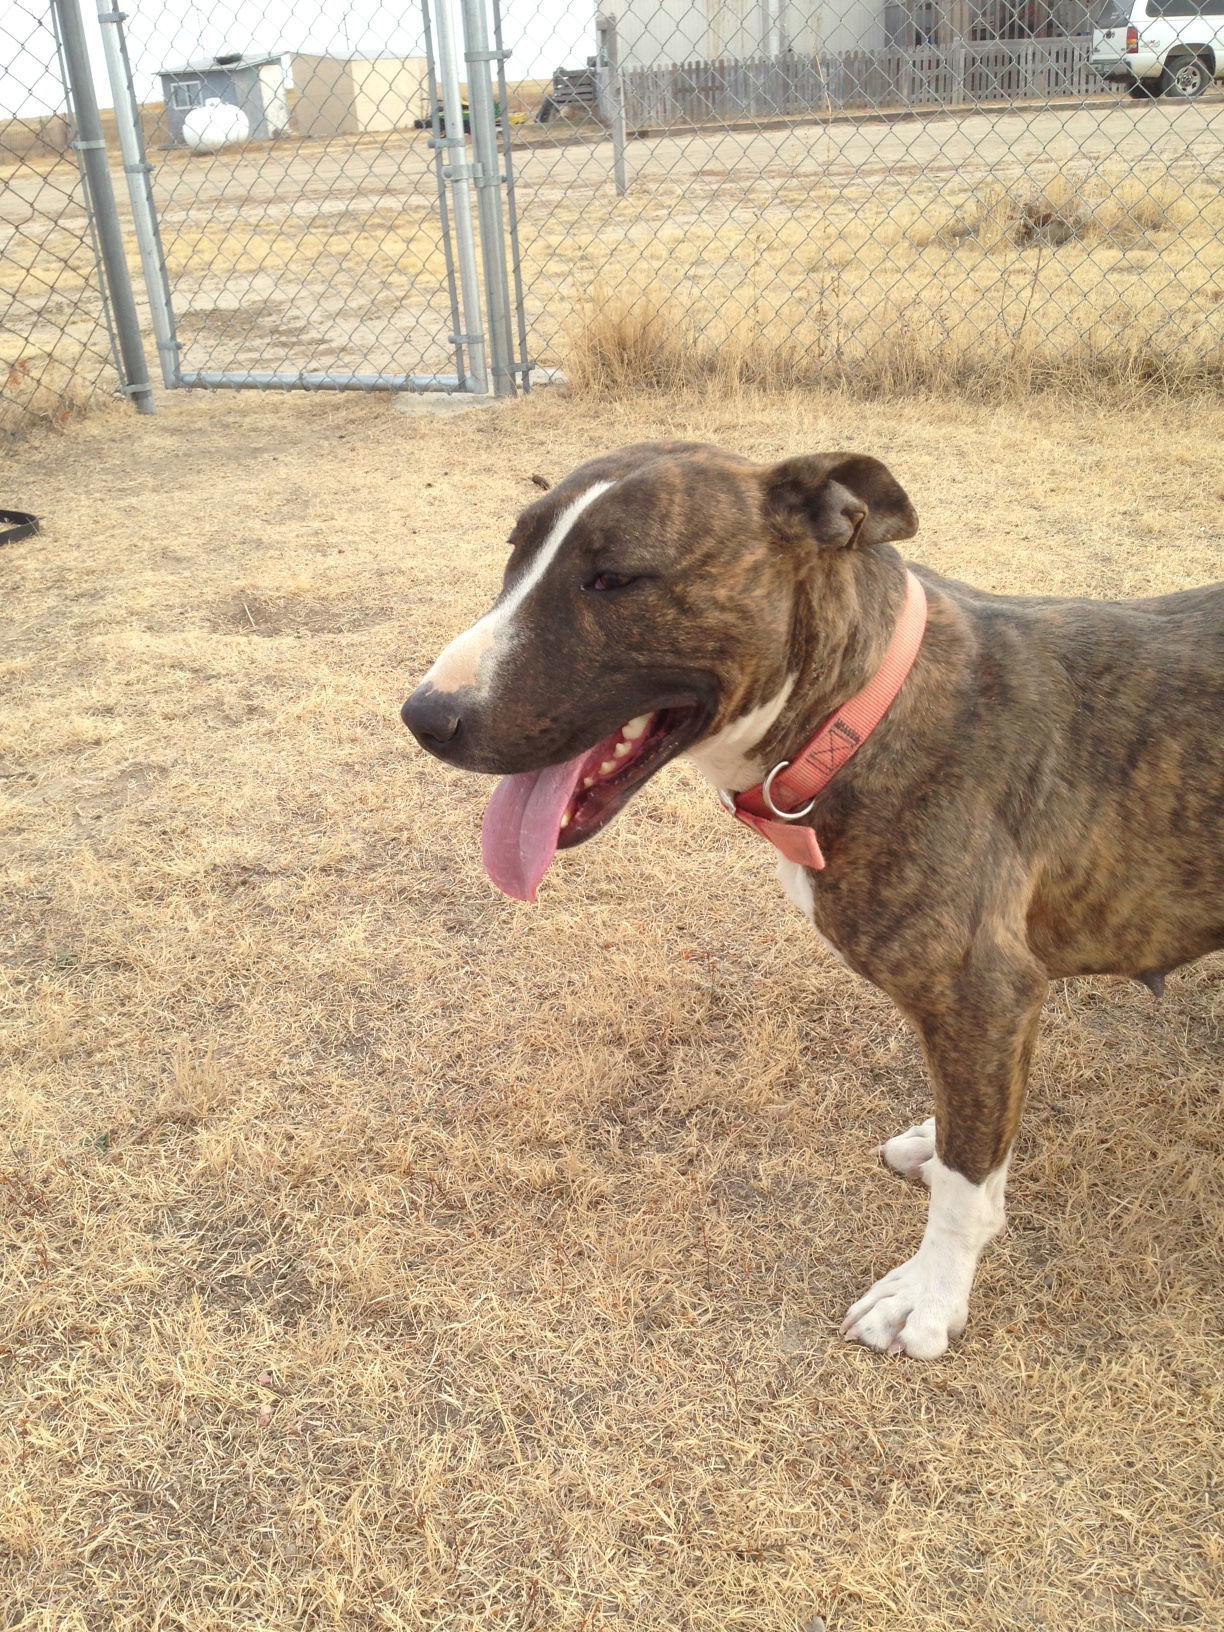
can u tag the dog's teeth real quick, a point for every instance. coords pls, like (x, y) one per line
(608, 766)
(635, 727)
(622, 748)
(588, 781)
(565, 819)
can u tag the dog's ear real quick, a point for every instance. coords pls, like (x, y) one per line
(841, 500)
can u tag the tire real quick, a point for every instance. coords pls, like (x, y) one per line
(1185, 78)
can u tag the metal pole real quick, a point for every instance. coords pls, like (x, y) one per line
(448, 247)
(609, 61)
(139, 171)
(458, 174)
(88, 142)
(488, 193)
(516, 258)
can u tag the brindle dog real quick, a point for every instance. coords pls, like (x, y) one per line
(1042, 799)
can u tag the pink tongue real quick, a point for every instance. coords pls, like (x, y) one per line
(522, 825)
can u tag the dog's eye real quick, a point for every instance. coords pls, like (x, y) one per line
(610, 580)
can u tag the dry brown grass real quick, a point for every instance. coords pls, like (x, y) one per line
(43, 142)
(380, 1254)
(646, 341)
(38, 390)
(1009, 293)
(1111, 207)
(1001, 258)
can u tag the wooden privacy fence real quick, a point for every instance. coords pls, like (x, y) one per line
(775, 87)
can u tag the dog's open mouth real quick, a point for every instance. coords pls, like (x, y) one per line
(532, 816)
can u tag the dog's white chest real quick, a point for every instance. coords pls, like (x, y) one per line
(728, 759)
(796, 881)
(797, 886)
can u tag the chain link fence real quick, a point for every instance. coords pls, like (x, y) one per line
(989, 194)
(56, 345)
(993, 194)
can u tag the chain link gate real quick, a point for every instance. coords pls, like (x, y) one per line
(310, 221)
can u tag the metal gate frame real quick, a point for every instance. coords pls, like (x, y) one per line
(493, 363)
(118, 300)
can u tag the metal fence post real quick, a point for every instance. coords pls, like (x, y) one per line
(88, 142)
(478, 56)
(459, 172)
(448, 244)
(614, 89)
(137, 169)
(516, 258)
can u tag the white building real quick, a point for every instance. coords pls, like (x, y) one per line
(344, 96)
(652, 32)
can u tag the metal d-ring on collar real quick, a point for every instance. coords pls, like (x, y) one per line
(767, 797)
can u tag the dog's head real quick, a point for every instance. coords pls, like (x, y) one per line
(650, 598)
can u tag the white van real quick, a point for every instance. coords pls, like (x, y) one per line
(1159, 47)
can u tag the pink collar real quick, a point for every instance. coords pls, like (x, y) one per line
(788, 793)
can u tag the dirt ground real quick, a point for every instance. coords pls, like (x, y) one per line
(383, 1254)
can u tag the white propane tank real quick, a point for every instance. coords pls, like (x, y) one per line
(215, 124)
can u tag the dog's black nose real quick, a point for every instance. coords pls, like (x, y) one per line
(431, 717)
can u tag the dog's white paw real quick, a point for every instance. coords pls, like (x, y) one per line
(911, 1310)
(920, 1306)
(909, 1152)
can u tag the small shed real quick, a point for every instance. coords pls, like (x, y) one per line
(257, 85)
(344, 96)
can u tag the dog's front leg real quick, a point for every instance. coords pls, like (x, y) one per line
(978, 1049)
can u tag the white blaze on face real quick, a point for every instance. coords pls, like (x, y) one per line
(471, 658)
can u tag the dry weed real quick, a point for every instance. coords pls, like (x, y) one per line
(1107, 281)
(53, 340)
(39, 391)
(1112, 209)
(652, 341)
